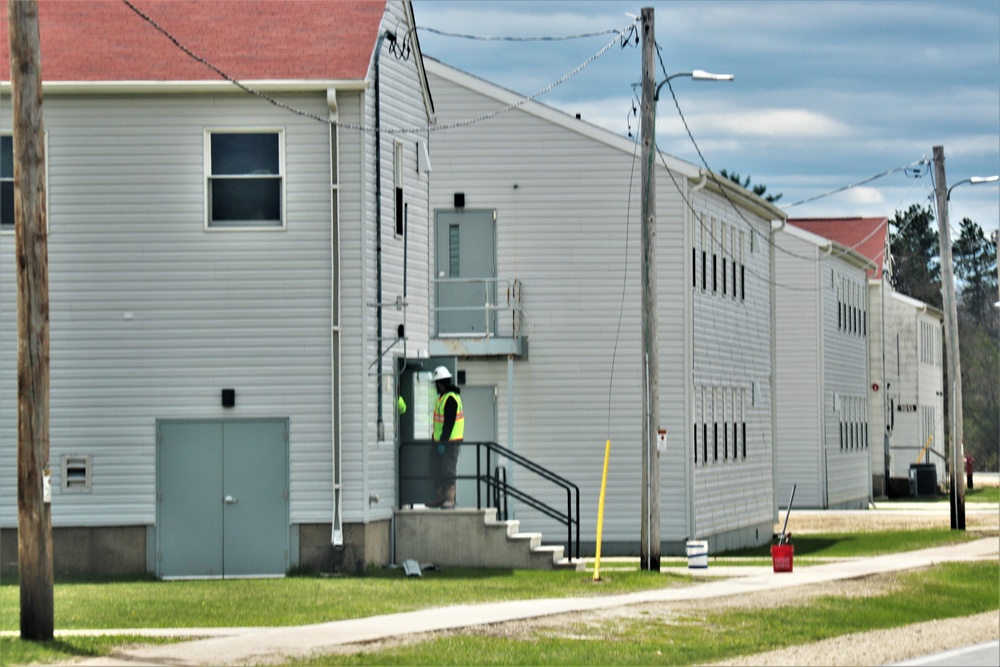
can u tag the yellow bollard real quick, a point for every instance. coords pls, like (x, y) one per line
(600, 511)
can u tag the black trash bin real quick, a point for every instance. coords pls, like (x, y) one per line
(923, 479)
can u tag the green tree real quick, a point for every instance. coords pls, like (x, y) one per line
(913, 244)
(757, 188)
(975, 260)
(979, 341)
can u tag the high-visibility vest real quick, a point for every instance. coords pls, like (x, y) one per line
(458, 431)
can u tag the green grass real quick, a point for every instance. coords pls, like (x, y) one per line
(304, 600)
(65, 649)
(945, 591)
(983, 494)
(857, 545)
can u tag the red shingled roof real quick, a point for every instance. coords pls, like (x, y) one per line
(866, 235)
(105, 41)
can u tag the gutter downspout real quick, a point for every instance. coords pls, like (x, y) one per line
(774, 369)
(337, 532)
(689, 335)
(821, 357)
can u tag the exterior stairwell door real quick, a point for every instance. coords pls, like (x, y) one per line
(222, 498)
(465, 265)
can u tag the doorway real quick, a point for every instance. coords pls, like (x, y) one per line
(465, 266)
(222, 498)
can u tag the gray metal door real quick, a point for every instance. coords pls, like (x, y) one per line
(222, 491)
(465, 266)
(480, 407)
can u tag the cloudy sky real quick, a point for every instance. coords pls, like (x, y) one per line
(827, 93)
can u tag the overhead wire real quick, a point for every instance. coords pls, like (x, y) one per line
(619, 34)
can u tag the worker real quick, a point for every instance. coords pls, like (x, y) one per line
(449, 430)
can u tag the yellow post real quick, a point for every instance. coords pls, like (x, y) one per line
(600, 511)
(926, 445)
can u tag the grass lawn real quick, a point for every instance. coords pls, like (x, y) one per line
(945, 591)
(149, 603)
(983, 494)
(854, 545)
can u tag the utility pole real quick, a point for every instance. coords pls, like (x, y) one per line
(34, 521)
(951, 336)
(649, 558)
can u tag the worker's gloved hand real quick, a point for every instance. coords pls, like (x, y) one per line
(440, 449)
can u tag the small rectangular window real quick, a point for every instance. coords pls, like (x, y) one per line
(397, 177)
(245, 184)
(6, 182)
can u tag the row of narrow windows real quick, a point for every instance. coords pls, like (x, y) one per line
(720, 424)
(853, 423)
(718, 259)
(852, 311)
(930, 344)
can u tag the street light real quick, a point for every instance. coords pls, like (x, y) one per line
(975, 180)
(696, 75)
(649, 557)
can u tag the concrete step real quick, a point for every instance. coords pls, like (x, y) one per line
(472, 538)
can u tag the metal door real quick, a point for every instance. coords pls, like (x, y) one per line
(465, 266)
(255, 498)
(222, 507)
(480, 407)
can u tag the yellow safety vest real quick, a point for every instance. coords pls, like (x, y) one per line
(458, 431)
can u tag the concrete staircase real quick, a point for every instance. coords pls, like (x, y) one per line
(473, 538)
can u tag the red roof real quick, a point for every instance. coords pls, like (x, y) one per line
(105, 41)
(868, 236)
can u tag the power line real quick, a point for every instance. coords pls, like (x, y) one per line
(402, 52)
(922, 162)
(559, 38)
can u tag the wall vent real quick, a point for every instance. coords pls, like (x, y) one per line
(77, 473)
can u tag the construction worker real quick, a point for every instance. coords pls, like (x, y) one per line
(449, 429)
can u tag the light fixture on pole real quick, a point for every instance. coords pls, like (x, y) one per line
(649, 556)
(943, 194)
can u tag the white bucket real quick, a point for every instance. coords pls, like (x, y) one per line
(697, 553)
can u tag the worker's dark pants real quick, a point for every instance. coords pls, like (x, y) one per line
(443, 466)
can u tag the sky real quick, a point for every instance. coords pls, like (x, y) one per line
(827, 93)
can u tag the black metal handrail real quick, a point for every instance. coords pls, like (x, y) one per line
(491, 482)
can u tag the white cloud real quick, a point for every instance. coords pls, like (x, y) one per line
(762, 123)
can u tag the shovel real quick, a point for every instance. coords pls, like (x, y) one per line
(784, 535)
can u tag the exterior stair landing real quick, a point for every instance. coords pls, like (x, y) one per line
(473, 538)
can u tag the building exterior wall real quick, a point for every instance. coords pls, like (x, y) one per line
(822, 373)
(567, 201)
(916, 397)
(152, 315)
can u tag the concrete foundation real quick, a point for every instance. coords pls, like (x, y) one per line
(102, 551)
(364, 545)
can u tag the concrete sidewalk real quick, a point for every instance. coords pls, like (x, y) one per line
(262, 645)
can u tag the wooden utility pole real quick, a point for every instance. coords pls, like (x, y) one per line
(951, 337)
(649, 557)
(34, 521)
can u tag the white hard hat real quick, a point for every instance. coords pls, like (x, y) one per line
(441, 373)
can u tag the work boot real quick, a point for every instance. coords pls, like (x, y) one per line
(449, 498)
(439, 500)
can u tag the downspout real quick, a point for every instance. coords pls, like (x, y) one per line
(689, 363)
(380, 423)
(337, 533)
(821, 356)
(774, 368)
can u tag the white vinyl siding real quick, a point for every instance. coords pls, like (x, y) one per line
(151, 316)
(822, 373)
(369, 462)
(551, 178)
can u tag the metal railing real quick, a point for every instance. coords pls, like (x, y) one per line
(494, 491)
(500, 306)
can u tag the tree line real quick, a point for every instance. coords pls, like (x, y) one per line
(913, 242)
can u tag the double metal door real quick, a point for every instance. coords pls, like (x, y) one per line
(222, 498)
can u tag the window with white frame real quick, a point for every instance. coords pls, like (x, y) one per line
(245, 179)
(6, 183)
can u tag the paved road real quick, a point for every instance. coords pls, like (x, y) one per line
(979, 655)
